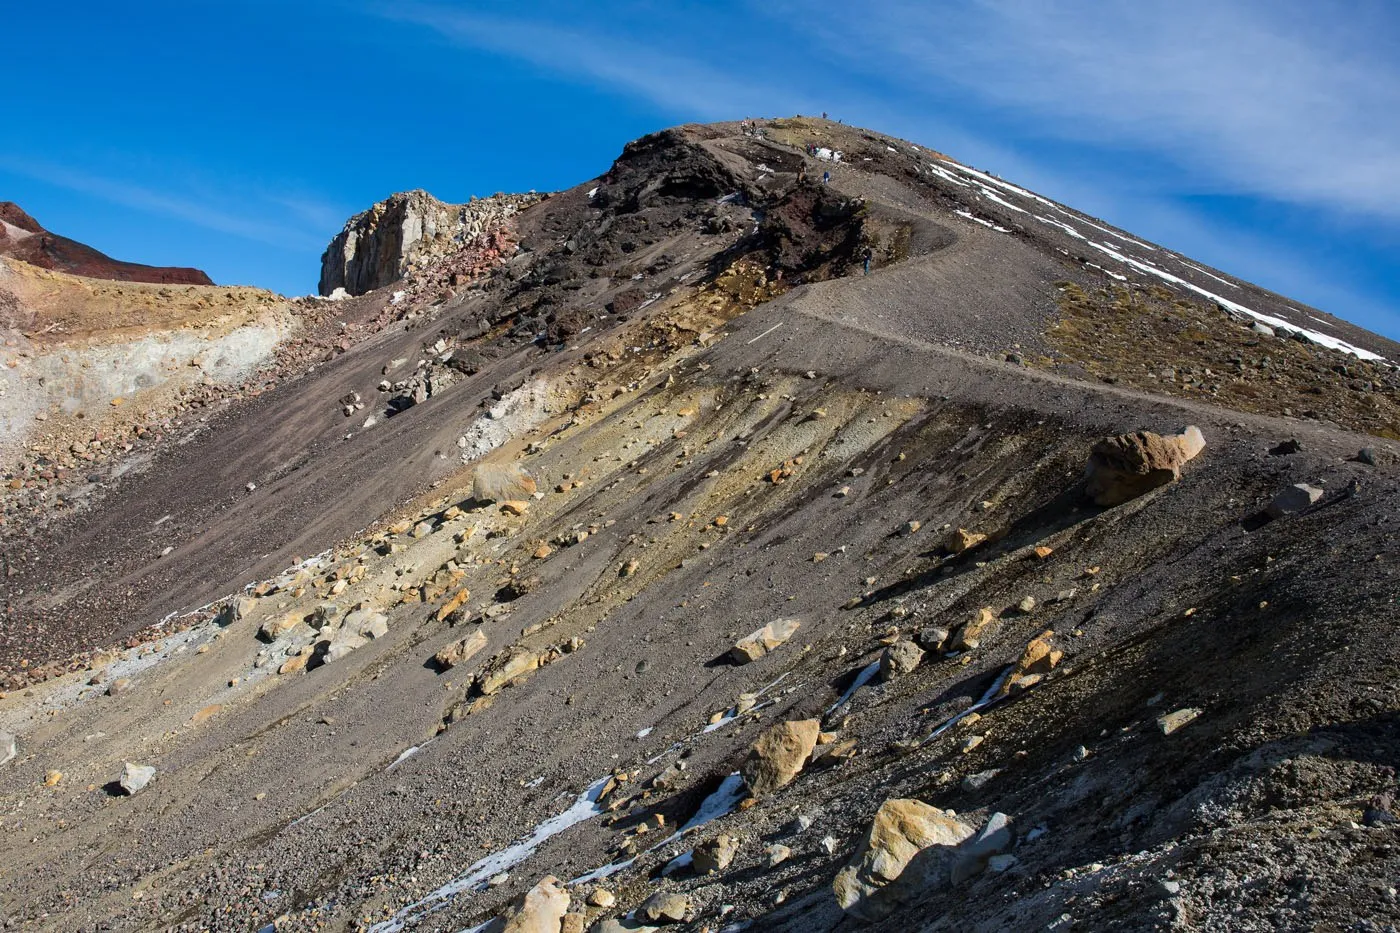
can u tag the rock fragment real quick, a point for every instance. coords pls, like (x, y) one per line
(714, 855)
(899, 659)
(1170, 722)
(541, 910)
(460, 650)
(664, 907)
(1126, 466)
(757, 644)
(779, 755)
(962, 540)
(502, 483)
(9, 748)
(867, 888)
(135, 777)
(1293, 499)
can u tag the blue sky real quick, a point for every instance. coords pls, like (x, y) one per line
(1258, 136)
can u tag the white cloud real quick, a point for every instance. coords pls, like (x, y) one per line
(1282, 99)
(676, 83)
(263, 226)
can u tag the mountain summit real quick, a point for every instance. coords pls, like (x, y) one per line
(791, 528)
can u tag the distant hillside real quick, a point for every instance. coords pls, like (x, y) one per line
(23, 238)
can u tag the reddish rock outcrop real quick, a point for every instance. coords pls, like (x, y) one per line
(23, 238)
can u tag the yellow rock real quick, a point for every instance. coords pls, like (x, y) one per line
(294, 664)
(1043, 552)
(51, 778)
(962, 540)
(453, 604)
(515, 506)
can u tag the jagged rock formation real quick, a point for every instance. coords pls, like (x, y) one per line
(407, 231)
(22, 238)
(377, 701)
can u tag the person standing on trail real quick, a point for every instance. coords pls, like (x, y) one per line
(867, 256)
(826, 178)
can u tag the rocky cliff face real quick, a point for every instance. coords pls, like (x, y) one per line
(408, 230)
(23, 238)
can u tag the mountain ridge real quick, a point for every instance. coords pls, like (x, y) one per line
(374, 700)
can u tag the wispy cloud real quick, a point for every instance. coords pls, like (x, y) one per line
(281, 221)
(583, 53)
(1279, 98)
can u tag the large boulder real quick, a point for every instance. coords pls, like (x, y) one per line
(756, 644)
(502, 482)
(1126, 466)
(867, 888)
(780, 754)
(540, 911)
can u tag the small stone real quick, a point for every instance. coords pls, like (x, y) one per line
(602, 897)
(869, 887)
(1170, 722)
(51, 778)
(962, 540)
(664, 907)
(979, 780)
(542, 908)
(971, 742)
(460, 650)
(1043, 552)
(1293, 499)
(1366, 455)
(899, 659)
(543, 551)
(1026, 605)
(118, 686)
(843, 492)
(295, 663)
(910, 527)
(1001, 863)
(776, 854)
(135, 777)
(9, 748)
(757, 644)
(515, 506)
(630, 567)
(932, 638)
(715, 855)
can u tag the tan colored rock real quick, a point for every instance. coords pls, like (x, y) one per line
(541, 910)
(664, 907)
(515, 662)
(515, 506)
(970, 635)
(502, 483)
(1043, 552)
(714, 855)
(866, 888)
(602, 897)
(52, 777)
(1170, 722)
(962, 540)
(543, 551)
(295, 663)
(755, 645)
(1126, 466)
(453, 604)
(460, 650)
(780, 754)
(275, 628)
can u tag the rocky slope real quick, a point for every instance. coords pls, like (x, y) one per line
(22, 238)
(673, 572)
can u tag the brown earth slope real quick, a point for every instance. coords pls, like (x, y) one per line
(373, 702)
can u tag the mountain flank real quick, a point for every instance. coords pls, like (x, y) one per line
(791, 528)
